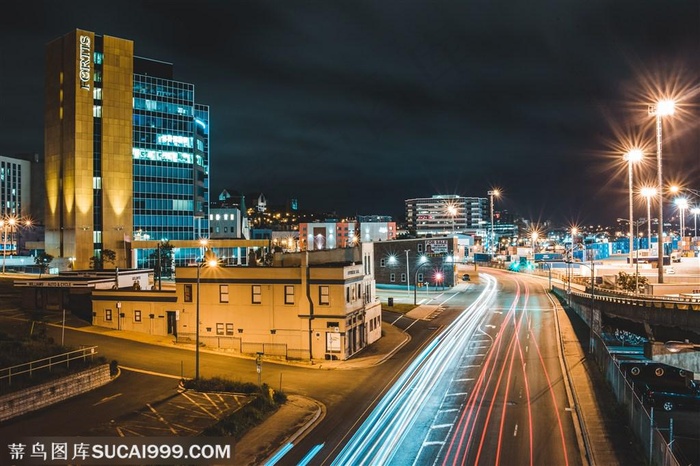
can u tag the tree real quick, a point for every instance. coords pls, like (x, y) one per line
(43, 260)
(98, 262)
(630, 282)
(164, 268)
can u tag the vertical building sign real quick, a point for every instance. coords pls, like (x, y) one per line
(84, 62)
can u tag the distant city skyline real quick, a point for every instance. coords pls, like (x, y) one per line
(354, 108)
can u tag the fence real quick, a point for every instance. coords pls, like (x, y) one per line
(639, 419)
(47, 363)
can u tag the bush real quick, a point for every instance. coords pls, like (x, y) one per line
(265, 402)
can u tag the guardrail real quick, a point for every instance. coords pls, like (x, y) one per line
(7, 373)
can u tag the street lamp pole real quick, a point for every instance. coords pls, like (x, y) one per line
(415, 281)
(648, 193)
(695, 211)
(196, 338)
(408, 275)
(633, 156)
(491, 193)
(682, 204)
(659, 110)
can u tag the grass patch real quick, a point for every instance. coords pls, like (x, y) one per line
(403, 308)
(22, 342)
(264, 403)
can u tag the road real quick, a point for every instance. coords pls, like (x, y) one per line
(489, 390)
(491, 377)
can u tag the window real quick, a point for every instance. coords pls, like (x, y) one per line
(288, 294)
(324, 295)
(229, 329)
(257, 294)
(392, 277)
(347, 294)
(382, 262)
(137, 315)
(419, 248)
(403, 278)
(188, 293)
(219, 328)
(420, 278)
(108, 314)
(223, 293)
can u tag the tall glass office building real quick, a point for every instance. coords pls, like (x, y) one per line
(127, 152)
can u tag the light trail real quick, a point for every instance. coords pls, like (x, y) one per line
(384, 430)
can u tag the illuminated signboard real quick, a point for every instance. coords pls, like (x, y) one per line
(84, 62)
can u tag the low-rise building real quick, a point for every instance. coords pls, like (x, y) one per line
(305, 306)
(407, 262)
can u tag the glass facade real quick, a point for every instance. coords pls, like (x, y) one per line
(171, 164)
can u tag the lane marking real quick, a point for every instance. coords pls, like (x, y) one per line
(440, 426)
(108, 398)
(515, 432)
(157, 374)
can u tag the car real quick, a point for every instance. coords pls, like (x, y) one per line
(465, 277)
(670, 398)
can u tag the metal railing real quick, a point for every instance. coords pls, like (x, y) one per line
(640, 420)
(7, 373)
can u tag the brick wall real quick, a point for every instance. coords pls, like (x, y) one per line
(31, 399)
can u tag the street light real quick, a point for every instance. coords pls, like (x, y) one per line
(633, 156)
(452, 210)
(678, 346)
(210, 263)
(649, 193)
(659, 110)
(695, 211)
(424, 262)
(11, 223)
(492, 193)
(534, 235)
(682, 204)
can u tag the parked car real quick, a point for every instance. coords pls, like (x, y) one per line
(669, 398)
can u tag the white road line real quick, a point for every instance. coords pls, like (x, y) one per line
(457, 394)
(158, 374)
(515, 432)
(469, 379)
(448, 410)
(161, 419)
(441, 426)
(107, 398)
(434, 442)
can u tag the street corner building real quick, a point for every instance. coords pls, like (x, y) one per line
(319, 305)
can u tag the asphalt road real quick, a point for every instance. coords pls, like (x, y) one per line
(488, 390)
(77, 416)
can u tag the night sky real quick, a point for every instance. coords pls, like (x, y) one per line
(354, 106)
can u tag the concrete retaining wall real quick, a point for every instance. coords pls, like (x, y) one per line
(30, 399)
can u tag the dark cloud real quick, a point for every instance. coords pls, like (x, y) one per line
(356, 106)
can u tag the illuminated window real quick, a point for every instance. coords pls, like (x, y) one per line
(188, 293)
(223, 293)
(137, 315)
(229, 329)
(324, 295)
(219, 328)
(108, 314)
(288, 294)
(257, 294)
(97, 111)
